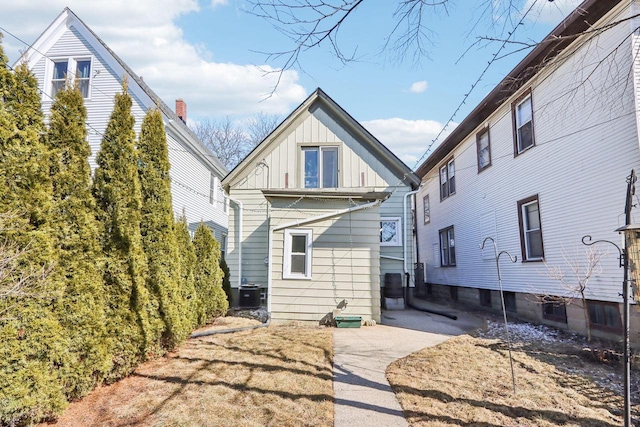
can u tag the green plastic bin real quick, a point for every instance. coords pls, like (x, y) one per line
(348, 321)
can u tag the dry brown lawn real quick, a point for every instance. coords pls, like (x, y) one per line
(467, 381)
(274, 376)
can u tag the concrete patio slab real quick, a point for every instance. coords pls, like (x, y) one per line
(361, 356)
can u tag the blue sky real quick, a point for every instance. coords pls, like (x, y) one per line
(211, 54)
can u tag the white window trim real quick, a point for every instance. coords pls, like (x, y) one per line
(448, 167)
(398, 240)
(526, 229)
(286, 265)
(71, 65)
(320, 148)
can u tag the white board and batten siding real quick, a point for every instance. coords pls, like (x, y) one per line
(338, 272)
(189, 173)
(586, 144)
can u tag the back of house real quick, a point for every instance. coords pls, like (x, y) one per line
(318, 216)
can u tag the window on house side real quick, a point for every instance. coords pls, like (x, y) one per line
(447, 247)
(59, 78)
(447, 180)
(212, 188)
(484, 149)
(555, 310)
(297, 254)
(427, 209)
(390, 232)
(523, 124)
(320, 167)
(530, 229)
(510, 301)
(82, 75)
(604, 315)
(485, 297)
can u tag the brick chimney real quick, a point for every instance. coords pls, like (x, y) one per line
(181, 110)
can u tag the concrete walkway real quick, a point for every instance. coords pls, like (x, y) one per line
(363, 396)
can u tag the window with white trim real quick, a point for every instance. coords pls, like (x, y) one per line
(530, 229)
(297, 254)
(76, 70)
(427, 209)
(447, 247)
(213, 188)
(390, 232)
(447, 180)
(522, 112)
(320, 167)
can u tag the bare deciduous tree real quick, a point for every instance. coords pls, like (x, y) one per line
(260, 126)
(228, 141)
(581, 267)
(231, 141)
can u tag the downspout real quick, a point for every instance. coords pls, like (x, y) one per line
(240, 208)
(303, 222)
(404, 241)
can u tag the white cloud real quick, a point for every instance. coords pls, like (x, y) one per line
(419, 87)
(144, 35)
(551, 12)
(408, 139)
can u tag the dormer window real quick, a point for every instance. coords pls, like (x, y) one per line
(63, 71)
(320, 167)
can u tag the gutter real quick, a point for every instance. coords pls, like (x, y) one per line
(240, 208)
(299, 223)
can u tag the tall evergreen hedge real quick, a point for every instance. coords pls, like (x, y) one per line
(76, 237)
(132, 318)
(187, 260)
(32, 342)
(208, 275)
(157, 227)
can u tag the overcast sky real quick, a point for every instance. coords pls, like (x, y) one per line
(213, 55)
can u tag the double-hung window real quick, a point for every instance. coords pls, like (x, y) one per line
(297, 254)
(522, 112)
(72, 70)
(427, 209)
(320, 166)
(530, 229)
(483, 146)
(447, 247)
(447, 179)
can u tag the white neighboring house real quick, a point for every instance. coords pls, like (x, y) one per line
(70, 49)
(541, 162)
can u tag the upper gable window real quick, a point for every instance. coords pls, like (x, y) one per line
(522, 111)
(72, 69)
(320, 167)
(447, 179)
(483, 145)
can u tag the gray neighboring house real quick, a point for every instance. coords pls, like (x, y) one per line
(69, 49)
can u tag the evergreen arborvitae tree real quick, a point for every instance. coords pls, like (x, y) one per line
(187, 257)
(32, 342)
(208, 275)
(81, 309)
(226, 281)
(157, 227)
(132, 319)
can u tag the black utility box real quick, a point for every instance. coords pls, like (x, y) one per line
(249, 296)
